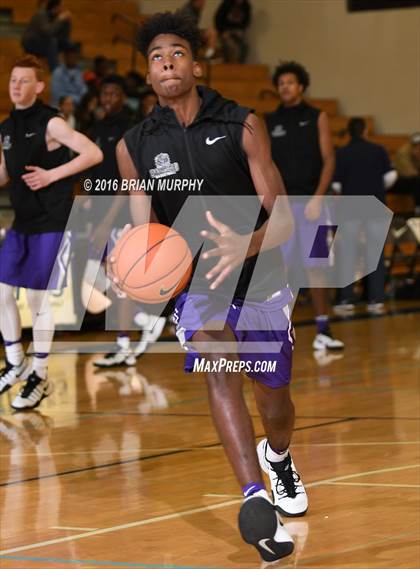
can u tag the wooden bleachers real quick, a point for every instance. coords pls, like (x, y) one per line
(95, 26)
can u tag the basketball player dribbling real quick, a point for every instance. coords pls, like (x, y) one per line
(35, 159)
(216, 140)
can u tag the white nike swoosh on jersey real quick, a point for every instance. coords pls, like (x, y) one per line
(210, 141)
(262, 544)
(303, 123)
(29, 134)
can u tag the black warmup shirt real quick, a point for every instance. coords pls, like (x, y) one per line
(23, 141)
(295, 147)
(360, 169)
(210, 149)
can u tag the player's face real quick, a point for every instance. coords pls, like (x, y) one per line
(24, 87)
(289, 88)
(111, 99)
(171, 68)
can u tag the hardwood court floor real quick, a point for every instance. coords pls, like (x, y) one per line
(124, 469)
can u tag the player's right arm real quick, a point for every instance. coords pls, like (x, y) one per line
(4, 176)
(140, 203)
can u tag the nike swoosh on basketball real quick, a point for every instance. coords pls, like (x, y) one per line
(29, 134)
(262, 543)
(211, 141)
(164, 292)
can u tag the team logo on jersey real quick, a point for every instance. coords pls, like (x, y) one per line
(164, 166)
(278, 131)
(6, 142)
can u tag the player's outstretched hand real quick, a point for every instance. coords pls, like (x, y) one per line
(231, 248)
(115, 284)
(37, 178)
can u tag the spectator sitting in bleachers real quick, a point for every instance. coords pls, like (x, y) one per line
(101, 68)
(67, 78)
(407, 164)
(88, 112)
(232, 20)
(194, 9)
(48, 32)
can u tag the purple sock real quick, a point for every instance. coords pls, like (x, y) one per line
(322, 324)
(6, 343)
(252, 488)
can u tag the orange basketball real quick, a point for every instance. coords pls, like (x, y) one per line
(152, 263)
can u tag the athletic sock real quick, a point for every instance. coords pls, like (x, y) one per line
(40, 364)
(275, 455)
(252, 488)
(323, 324)
(14, 352)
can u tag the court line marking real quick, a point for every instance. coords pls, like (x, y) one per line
(177, 515)
(374, 485)
(73, 528)
(149, 457)
(129, 525)
(85, 562)
(315, 558)
(178, 449)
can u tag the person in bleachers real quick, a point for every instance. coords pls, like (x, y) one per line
(48, 32)
(87, 112)
(67, 79)
(407, 164)
(232, 20)
(101, 68)
(193, 9)
(362, 169)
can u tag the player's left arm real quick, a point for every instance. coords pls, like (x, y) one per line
(88, 155)
(269, 185)
(314, 205)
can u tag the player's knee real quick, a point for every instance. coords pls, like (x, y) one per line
(222, 384)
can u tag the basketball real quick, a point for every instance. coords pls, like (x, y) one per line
(152, 263)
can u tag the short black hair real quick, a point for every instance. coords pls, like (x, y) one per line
(176, 23)
(356, 127)
(297, 69)
(114, 79)
(51, 4)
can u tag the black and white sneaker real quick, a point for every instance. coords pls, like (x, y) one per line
(32, 393)
(10, 375)
(327, 342)
(122, 356)
(260, 525)
(289, 495)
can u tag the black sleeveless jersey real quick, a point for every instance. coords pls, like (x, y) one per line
(295, 147)
(23, 143)
(209, 149)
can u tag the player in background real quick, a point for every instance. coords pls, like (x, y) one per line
(106, 133)
(35, 160)
(303, 151)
